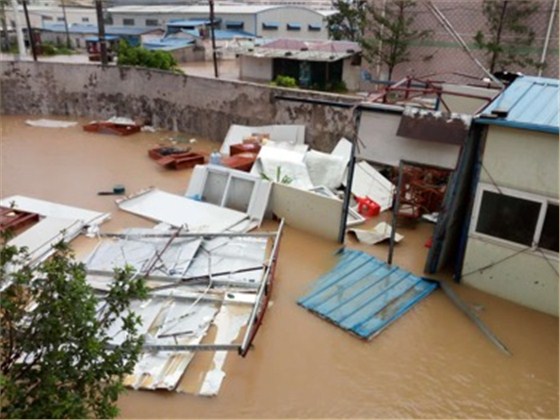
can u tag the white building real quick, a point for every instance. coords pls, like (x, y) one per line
(512, 243)
(42, 15)
(261, 21)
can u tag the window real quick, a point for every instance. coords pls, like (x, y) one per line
(46, 17)
(60, 19)
(293, 27)
(235, 25)
(270, 26)
(517, 217)
(128, 22)
(85, 19)
(152, 22)
(108, 19)
(314, 28)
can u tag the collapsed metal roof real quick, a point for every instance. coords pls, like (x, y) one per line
(363, 295)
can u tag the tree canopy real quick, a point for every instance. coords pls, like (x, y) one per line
(508, 38)
(390, 32)
(349, 21)
(56, 358)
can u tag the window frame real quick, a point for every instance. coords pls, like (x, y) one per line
(151, 22)
(544, 202)
(125, 20)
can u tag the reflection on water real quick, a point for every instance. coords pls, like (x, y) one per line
(431, 363)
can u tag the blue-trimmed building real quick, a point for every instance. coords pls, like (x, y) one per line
(500, 223)
(78, 33)
(266, 21)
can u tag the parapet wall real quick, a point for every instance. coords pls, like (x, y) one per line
(200, 106)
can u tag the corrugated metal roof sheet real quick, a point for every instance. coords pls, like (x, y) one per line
(363, 295)
(78, 28)
(530, 103)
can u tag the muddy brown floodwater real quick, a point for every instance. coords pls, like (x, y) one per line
(431, 363)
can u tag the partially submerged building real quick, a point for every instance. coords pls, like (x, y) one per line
(499, 225)
(79, 33)
(313, 64)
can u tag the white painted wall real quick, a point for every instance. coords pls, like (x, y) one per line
(382, 145)
(463, 104)
(526, 279)
(255, 69)
(41, 14)
(351, 75)
(285, 15)
(522, 159)
(525, 161)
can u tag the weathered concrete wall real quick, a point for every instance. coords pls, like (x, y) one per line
(201, 106)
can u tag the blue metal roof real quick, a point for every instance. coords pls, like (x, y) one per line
(78, 28)
(531, 103)
(364, 295)
(167, 44)
(221, 34)
(191, 22)
(96, 38)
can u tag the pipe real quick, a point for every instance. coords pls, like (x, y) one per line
(29, 31)
(547, 39)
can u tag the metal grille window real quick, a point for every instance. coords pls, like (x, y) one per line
(151, 22)
(128, 22)
(516, 217)
(85, 19)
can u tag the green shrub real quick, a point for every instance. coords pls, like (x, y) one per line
(140, 56)
(285, 81)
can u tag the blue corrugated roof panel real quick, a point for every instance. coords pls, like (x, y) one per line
(78, 28)
(530, 103)
(363, 295)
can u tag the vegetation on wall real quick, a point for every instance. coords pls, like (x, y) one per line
(55, 358)
(142, 57)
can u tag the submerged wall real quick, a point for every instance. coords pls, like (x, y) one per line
(202, 106)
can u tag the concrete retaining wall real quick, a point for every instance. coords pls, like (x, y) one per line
(195, 105)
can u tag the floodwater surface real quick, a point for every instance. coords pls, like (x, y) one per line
(431, 363)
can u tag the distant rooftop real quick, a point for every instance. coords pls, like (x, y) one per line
(293, 49)
(79, 28)
(529, 103)
(241, 9)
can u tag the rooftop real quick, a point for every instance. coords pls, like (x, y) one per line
(79, 28)
(529, 103)
(306, 50)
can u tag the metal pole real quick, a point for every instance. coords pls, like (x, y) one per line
(396, 204)
(214, 58)
(19, 35)
(29, 31)
(65, 24)
(547, 39)
(101, 32)
(349, 179)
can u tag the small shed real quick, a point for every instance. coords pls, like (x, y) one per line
(313, 64)
(506, 243)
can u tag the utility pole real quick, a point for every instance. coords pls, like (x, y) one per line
(29, 31)
(68, 45)
(101, 32)
(214, 58)
(19, 35)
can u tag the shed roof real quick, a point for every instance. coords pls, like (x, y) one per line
(293, 49)
(529, 103)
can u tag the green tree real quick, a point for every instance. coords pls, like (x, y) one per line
(348, 21)
(55, 357)
(508, 38)
(139, 56)
(389, 33)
